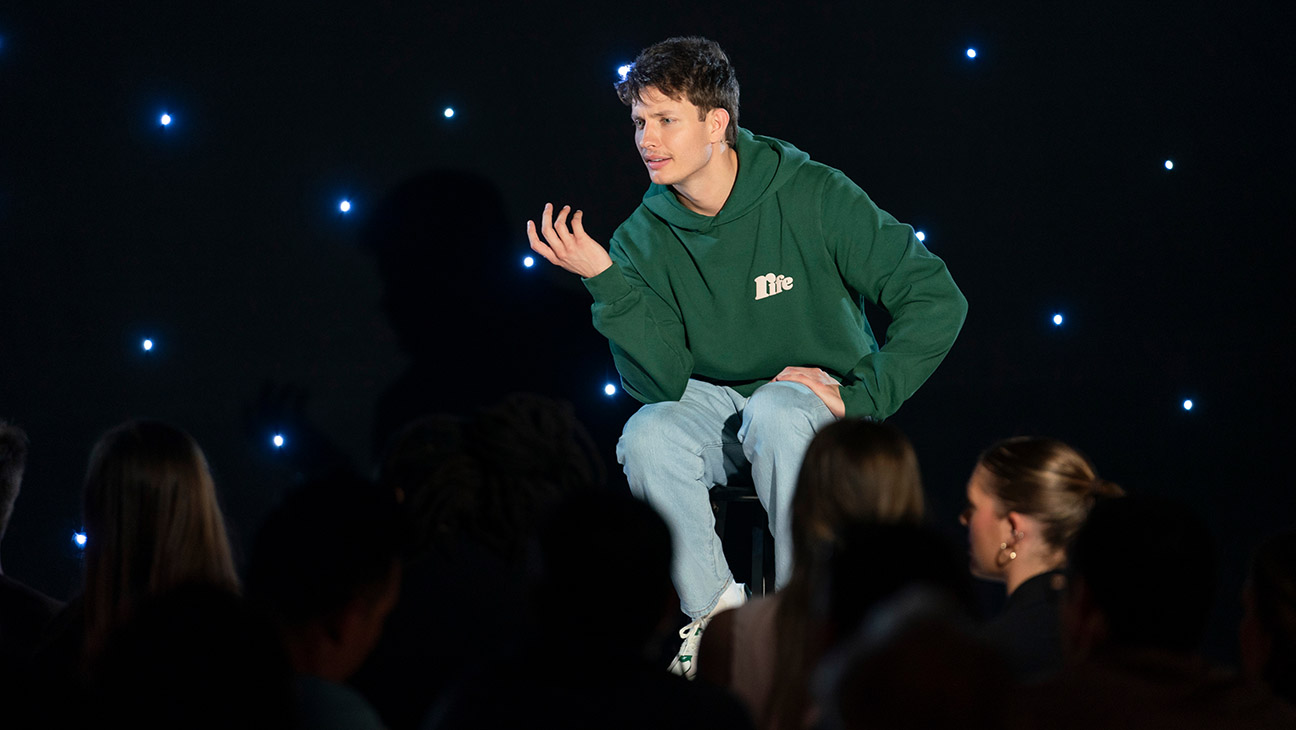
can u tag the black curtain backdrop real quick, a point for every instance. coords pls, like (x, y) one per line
(1035, 170)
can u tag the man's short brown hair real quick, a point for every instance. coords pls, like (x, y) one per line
(692, 68)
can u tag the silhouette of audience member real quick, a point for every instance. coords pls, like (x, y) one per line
(874, 576)
(916, 662)
(1140, 582)
(1025, 500)
(873, 562)
(24, 611)
(326, 567)
(152, 522)
(197, 657)
(1268, 631)
(607, 556)
(854, 470)
(474, 488)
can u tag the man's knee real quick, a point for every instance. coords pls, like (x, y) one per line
(785, 406)
(649, 433)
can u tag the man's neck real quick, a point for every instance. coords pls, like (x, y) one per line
(708, 194)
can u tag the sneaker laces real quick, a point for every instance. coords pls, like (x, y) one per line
(697, 626)
(684, 663)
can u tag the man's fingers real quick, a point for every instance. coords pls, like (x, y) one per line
(577, 226)
(806, 375)
(787, 377)
(546, 224)
(560, 225)
(538, 246)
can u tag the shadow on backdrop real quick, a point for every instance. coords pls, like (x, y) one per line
(473, 320)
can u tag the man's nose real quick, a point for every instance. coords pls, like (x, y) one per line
(647, 138)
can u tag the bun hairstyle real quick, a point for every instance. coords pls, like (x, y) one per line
(1047, 480)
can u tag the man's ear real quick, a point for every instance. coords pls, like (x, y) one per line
(718, 122)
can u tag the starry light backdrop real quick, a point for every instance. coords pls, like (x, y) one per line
(1110, 185)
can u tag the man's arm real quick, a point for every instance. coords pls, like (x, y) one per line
(881, 259)
(646, 334)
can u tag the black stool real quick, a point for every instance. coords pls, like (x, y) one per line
(762, 543)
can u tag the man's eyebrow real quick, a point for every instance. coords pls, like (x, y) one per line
(662, 113)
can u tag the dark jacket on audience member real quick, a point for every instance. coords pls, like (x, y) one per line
(24, 614)
(1027, 631)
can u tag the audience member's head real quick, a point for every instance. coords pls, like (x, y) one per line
(195, 657)
(856, 581)
(1268, 631)
(587, 539)
(1026, 498)
(871, 564)
(1140, 575)
(13, 459)
(914, 662)
(326, 566)
(492, 477)
(854, 472)
(152, 523)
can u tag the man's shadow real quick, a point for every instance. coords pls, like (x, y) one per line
(473, 320)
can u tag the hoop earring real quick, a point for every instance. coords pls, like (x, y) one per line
(1012, 554)
(1009, 548)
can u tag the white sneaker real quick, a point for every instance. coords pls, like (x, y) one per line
(685, 662)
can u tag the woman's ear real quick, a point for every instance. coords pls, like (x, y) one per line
(1017, 524)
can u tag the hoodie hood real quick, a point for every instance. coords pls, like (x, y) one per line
(765, 164)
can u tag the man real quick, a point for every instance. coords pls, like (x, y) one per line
(732, 301)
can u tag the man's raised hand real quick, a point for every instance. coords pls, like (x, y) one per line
(571, 249)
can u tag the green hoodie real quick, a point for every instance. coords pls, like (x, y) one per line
(776, 278)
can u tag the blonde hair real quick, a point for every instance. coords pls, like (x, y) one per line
(854, 471)
(152, 523)
(1047, 480)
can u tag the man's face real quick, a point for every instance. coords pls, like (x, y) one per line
(673, 142)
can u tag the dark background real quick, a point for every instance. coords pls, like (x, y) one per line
(1036, 171)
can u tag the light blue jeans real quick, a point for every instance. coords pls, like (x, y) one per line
(673, 452)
